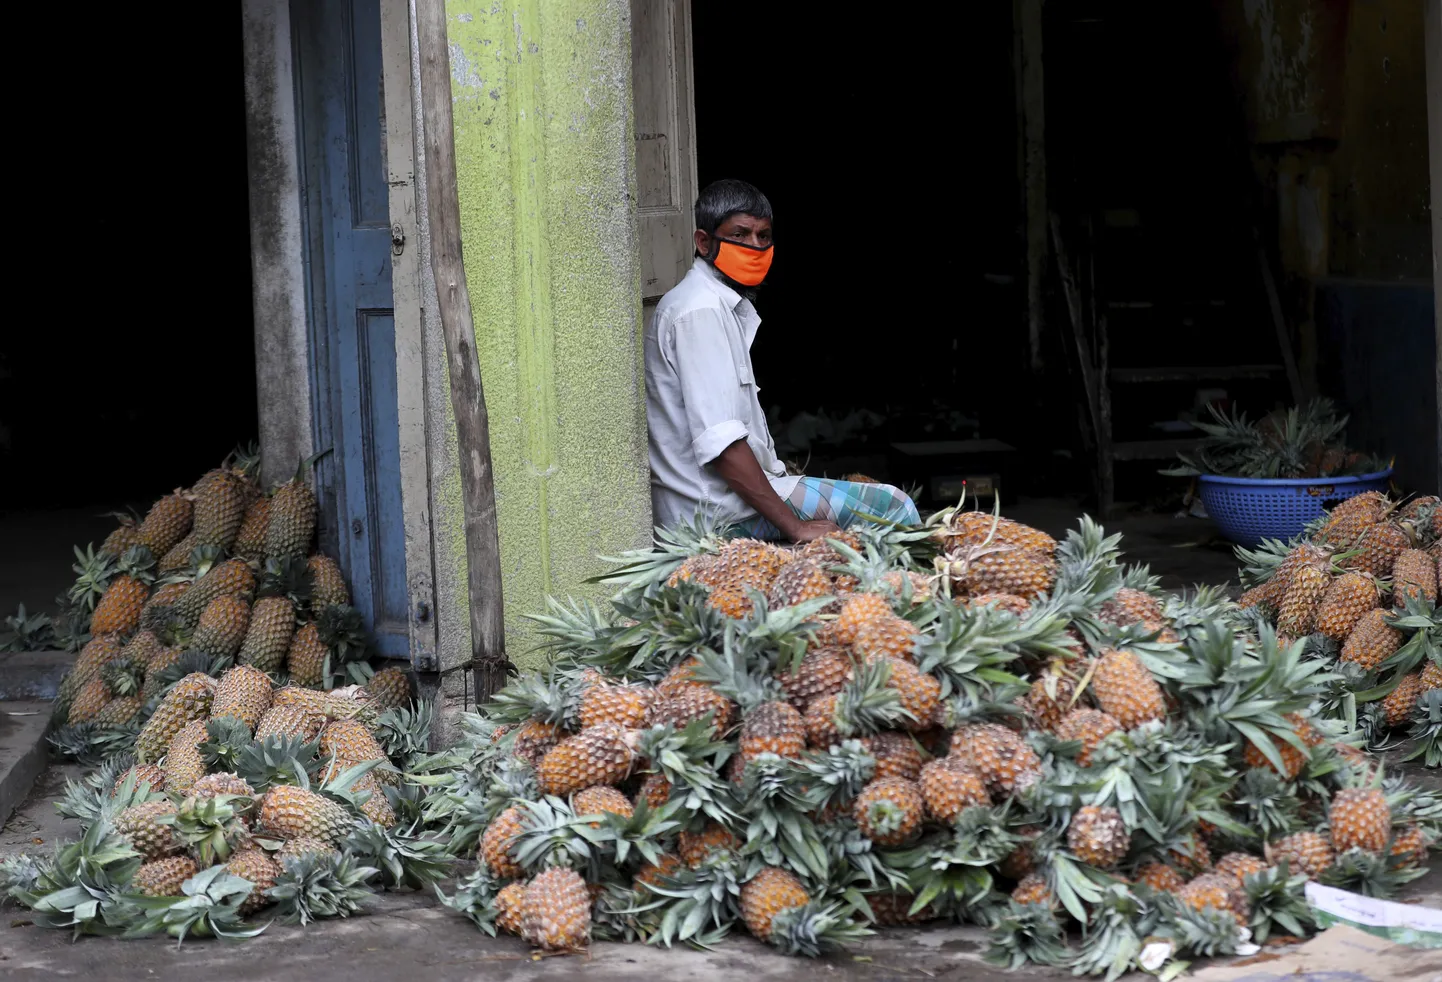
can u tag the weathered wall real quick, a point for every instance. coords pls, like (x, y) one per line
(542, 92)
(282, 350)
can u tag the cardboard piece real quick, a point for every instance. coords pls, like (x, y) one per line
(1339, 954)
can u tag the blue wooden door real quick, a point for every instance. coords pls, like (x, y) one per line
(342, 123)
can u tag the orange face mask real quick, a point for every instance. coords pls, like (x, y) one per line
(745, 264)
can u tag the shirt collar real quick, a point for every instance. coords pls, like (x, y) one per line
(715, 282)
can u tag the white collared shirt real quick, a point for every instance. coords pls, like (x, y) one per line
(701, 397)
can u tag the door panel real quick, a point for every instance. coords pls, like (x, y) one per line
(352, 320)
(665, 141)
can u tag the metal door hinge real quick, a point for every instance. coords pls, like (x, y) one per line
(398, 239)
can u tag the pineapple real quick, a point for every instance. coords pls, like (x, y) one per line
(1297, 612)
(1019, 571)
(655, 874)
(655, 791)
(232, 577)
(221, 782)
(118, 611)
(624, 705)
(690, 702)
(244, 693)
(262, 871)
(184, 763)
(292, 812)
(1398, 705)
(1414, 574)
(774, 728)
(1293, 759)
(1130, 606)
(122, 538)
(700, 568)
(770, 892)
(177, 557)
(1049, 699)
(1409, 847)
(220, 503)
(1160, 877)
(1240, 865)
(1191, 854)
(888, 636)
(143, 827)
(352, 741)
(1091, 727)
(163, 877)
(859, 611)
(1211, 890)
(695, 847)
(897, 754)
(599, 755)
(534, 739)
(797, 582)
(1275, 588)
(889, 810)
(509, 902)
(1352, 517)
(1304, 852)
(556, 911)
(267, 639)
(1098, 836)
(143, 646)
(119, 711)
(1371, 642)
(920, 693)
(949, 786)
(497, 840)
(680, 675)
(376, 806)
(390, 688)
(822, 672)
(600, 799)
(303, 845)
(154, 672)
(222, 627)
(750, 563)
(730, 600)
(156, 612)
(964, 528)
(88, 702)
(98, 652)
(1360, 819)
(327, 585)
(1126, 691)
(1033, 889)
(143, 773)
(290, 721)
(1008, 602)
(1431, 676)
(167, 522)
(292, 519)
(1349, 597)
(894, 909)
(1378, 548)
(1002, 758)
(188, 700)
(250, 540)
(305, 658)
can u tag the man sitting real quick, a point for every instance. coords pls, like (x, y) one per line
(711, 450)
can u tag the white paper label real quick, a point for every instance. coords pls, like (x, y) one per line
(1372, 912)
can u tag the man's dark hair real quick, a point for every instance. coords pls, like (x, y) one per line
(720, 200)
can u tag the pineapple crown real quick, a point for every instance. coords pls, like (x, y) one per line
(1026, 933)
(93, 574)
(1278, 903)
(814, 928)
(212, 827)
(1426, 729)
(1269, 807)
(319, 885)
(84, 887)
(555, 699)
(1368, 873)
(122, 676)
(244, 460)
(738, 674)
(405, 734)
(276, 759)
(690, 759)
(703, 901)
(1115, 931)
(404, 859)
(584, 631)
(138, 562)
(342, 630)
(289, 577)
(867, 704)
(210, 906)
(1206, 933)
(969, 648)
(90, 744)
(639, 569)
(835, 775)
(553, 835)
(475, 898)
(642, 832)
(226, 738)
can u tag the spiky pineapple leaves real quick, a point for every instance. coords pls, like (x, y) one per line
(226, 740)
(84, 888)
(402, 858)
(211, 827)
(1426, 730)
(949, 869)
(1278, 903)
(28, 632)
(475, 898)
(209, 906)
(1026, 933)
(316, 886)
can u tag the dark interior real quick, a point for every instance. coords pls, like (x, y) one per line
(133, 369)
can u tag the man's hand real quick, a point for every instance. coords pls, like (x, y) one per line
(808, 531)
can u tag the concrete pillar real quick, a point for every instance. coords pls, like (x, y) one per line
(543, 131)
(1432, 27)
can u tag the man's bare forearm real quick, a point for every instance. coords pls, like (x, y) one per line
(738, 468)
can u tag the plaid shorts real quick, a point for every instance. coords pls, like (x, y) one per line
(842, 502)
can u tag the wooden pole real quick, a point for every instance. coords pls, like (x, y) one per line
(473, 436)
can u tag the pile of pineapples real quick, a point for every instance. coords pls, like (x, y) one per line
(965, 721)
(1361, 588)
(245, 751)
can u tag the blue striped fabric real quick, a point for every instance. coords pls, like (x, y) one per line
(843, 502)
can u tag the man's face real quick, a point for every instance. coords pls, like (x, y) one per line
(745, 229)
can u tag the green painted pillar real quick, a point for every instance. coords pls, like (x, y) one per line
(543, 130)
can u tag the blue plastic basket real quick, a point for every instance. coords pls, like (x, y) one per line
(1248, 509)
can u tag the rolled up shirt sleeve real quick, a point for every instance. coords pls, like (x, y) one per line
(710, 388)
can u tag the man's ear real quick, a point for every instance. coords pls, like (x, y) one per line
(703, 242)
